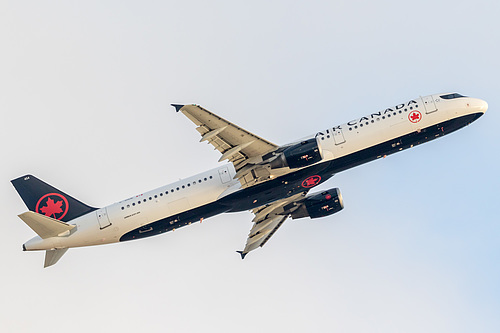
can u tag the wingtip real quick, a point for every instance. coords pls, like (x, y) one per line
(242, 254)
(177, 107)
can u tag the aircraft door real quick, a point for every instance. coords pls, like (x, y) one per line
(102, 217)
(224, 175)
(338, 136)
(429, 104)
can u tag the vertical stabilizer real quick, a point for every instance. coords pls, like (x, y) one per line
(47, 200)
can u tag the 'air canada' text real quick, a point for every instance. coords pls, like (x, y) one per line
(381, 113)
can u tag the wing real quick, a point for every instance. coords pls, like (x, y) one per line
(241, 147)
(268, 219)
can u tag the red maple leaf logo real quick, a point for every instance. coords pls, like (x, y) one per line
(311, 181)
(52, 207)
(415, 117)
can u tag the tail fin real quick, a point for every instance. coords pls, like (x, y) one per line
(45, 199)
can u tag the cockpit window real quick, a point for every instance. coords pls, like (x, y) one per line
(451, 96)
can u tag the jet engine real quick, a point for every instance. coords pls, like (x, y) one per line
(320, 205)
(299, 155)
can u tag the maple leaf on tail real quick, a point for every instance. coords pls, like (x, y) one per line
(52, 207)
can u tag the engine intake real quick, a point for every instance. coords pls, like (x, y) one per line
(320, 205)
(299, 155)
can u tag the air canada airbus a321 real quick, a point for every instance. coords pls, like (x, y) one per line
(270, 180)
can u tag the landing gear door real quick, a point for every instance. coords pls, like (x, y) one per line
(429, 104)
(102, 217)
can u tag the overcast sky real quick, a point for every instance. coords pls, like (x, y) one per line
(85, 89)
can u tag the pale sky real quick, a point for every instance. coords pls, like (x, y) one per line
(85, 89)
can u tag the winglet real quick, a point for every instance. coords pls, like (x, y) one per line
(177, 107)
(243, 254)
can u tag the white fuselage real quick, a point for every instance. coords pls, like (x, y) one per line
(109, 224)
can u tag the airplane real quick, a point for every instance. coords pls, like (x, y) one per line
(270, 180)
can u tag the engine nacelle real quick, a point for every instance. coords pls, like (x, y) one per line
(320, 205)
(299, 155)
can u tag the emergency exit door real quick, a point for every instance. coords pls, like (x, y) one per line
(224, 175)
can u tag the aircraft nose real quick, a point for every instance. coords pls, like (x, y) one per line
(478, 105)
(483, 106)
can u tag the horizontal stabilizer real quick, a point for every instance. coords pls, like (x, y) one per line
(45, 226)
(53, 256)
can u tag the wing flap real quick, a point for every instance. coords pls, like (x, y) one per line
(268, 219)
(239, 146)
(260, 238)
(208, 121)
